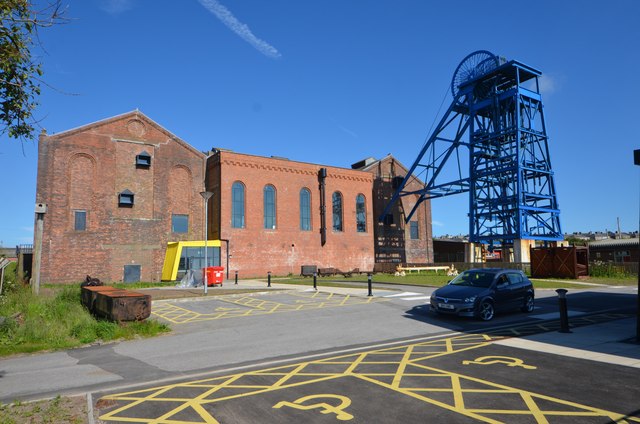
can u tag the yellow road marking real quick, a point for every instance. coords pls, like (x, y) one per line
(410, 361)
(318, 300)
(325, 407)
(506, 360)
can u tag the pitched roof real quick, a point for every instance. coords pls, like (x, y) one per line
(134, 114)
(615, 242)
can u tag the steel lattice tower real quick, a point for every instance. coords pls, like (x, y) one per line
(495, 128)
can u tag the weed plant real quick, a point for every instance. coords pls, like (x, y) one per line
(607, 270)
(56, 319)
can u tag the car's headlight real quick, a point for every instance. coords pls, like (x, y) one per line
(470, 299)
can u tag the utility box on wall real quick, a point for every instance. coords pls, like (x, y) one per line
(131, 273)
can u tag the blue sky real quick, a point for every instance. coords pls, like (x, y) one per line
(335, 81)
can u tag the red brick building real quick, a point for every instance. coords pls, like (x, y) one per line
(396, 241)
(116, 192)
(270, 211)
(120, 189)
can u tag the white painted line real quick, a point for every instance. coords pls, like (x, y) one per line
(403, 294)
(415, 298)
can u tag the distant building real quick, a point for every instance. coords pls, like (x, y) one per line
(615, 250)
(449, 250)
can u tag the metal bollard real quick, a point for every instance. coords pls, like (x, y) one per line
(269, 279)
(369, 284)
(315, 276)
(236, 278)
(564, 316)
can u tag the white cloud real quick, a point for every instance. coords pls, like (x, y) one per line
(437, 223)
(548, 84)
(242, 30)
(115, 7)
(348, 131)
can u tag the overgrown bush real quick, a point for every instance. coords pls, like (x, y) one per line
(608, 270)
(58, 320)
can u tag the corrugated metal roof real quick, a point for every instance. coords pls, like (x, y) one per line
(615, 242)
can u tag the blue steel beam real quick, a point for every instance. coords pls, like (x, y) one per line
(510, 181)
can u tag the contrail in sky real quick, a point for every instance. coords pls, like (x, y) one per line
(239, 28)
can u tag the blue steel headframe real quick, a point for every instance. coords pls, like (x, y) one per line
(510, 180)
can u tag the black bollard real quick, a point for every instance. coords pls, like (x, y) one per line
(269, 279)
(315, 276)
(564, 316)
(369, 284)
(236, 277)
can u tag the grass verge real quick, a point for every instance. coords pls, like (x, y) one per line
(435, 280)
(57, 320)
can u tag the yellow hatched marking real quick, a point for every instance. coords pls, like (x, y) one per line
(256, 307)
(401, 368)
(533, 407)
(409, 363)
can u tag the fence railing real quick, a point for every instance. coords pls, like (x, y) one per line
(595, 268)
(460, 266)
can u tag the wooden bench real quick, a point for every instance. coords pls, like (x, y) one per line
(400, 270)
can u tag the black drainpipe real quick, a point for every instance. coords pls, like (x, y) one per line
(322, 174)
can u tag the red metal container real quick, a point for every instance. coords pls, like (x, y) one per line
(215, 275)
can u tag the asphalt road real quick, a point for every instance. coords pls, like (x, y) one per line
(241, 336)
(456, 379)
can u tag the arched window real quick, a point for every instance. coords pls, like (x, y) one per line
(361, 214)
(337, 211)
(237, 205)
(305, 209)
(269, 206)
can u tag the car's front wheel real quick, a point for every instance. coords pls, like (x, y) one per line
(529, 303)
(486, 311)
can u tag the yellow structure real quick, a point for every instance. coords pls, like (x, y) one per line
(175, 253)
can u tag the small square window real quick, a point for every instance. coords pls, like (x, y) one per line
(80, 220)
(179, 223)
(143, 160)
(125, 199)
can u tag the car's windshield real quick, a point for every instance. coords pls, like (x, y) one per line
(474, 279)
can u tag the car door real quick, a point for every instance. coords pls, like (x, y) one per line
(518, 288)
(503, 294)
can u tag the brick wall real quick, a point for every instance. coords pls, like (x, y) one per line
(255, 250)
(86, 168)
(393, 240)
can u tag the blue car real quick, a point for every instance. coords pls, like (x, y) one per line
(481, 293)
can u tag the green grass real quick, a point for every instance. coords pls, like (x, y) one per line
(57, 320)
(430, 280)
(435, 280)
(556, 284)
